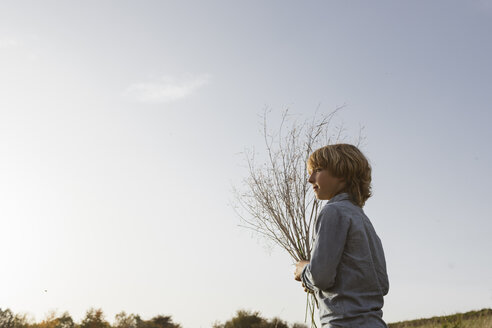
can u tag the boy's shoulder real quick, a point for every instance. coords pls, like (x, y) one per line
(340, 202)
(333, 210)
(342, 207)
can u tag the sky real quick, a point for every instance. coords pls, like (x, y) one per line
(123, 126)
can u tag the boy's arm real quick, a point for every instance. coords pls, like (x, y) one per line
(331, 234)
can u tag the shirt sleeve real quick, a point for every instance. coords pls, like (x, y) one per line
(330, 235)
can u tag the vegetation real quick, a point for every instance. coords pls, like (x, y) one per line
(247, 319)
(94, 318)
(472, 319)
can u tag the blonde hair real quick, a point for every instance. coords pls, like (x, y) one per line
(347, 162)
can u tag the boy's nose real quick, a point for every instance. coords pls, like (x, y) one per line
(311, 179)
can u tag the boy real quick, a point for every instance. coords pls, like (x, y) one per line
(347, 270)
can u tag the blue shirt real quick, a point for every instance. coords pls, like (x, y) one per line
(347, 270)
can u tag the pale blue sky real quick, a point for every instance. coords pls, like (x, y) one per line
(121, 124)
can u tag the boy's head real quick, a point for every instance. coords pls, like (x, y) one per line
(347, 163)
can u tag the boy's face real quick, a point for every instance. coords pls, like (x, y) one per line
(325, 185)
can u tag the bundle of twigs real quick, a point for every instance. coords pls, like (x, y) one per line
(276, 196)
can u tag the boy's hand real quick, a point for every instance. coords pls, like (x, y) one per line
(299, 267)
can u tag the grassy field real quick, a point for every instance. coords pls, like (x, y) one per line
(472, 319)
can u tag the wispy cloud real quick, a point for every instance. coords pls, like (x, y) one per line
(166, 89)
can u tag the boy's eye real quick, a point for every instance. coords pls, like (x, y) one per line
(316, 170)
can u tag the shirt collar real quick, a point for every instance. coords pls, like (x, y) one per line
(339, 197)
